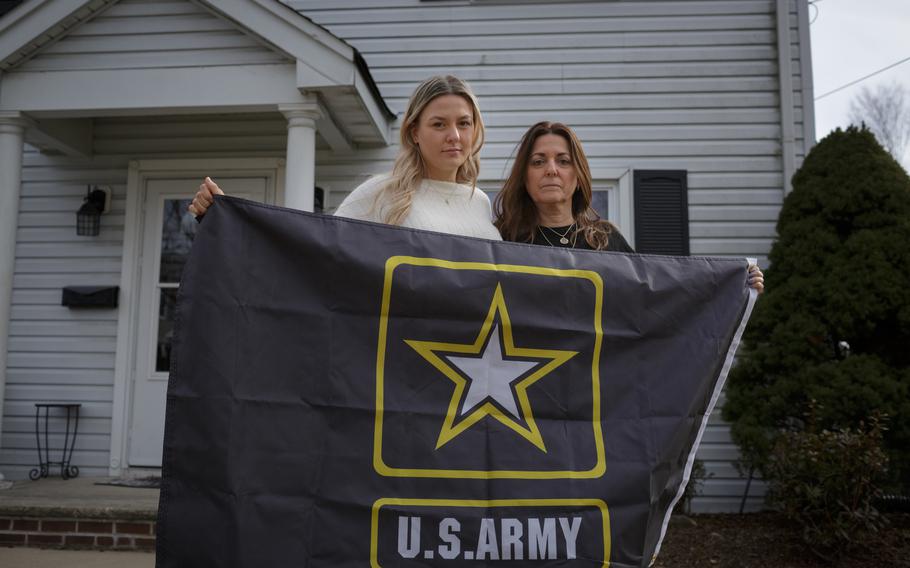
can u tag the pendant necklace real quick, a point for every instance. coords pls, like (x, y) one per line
(564, 237)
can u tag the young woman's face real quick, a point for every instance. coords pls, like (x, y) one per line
(550, 176)
(444, 134)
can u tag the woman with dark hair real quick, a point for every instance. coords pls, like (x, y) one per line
(547, 198)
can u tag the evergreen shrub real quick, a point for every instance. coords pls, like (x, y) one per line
(828, 481)
(834, 323)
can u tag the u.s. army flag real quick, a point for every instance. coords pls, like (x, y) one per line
(349, 394)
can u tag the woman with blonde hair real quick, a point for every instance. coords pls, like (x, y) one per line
(432, 184)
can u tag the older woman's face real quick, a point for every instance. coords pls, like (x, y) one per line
(550, 176)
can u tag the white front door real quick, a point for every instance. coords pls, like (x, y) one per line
(167, 236)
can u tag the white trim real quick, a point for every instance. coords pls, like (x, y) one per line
(12, 131)
(308, 77)
(318, 61)
(126, 332)
(280, 176)
(377, 115)
(140, 90)
(301, 154)
(191, 165)
(16, 19)
(785, 80)
(333, 135)
(70, 136)
(35, 23)
(623, 200)
(32, 24)
(718, 387)
(625, 218)
(281, 25)
(806, 76)
(139, 172)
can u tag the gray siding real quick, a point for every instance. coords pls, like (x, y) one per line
(675, 84)
(57, 354)
(648, 85)
(135, 34)
(672, 84)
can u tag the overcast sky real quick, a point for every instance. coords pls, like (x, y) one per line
(850, 39)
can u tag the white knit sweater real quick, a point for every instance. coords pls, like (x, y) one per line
(441, 206)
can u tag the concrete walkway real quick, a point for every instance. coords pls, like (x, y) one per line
(39, 558)
(76, 498)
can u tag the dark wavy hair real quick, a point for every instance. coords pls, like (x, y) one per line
(516, 213)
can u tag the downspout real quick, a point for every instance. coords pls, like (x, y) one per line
(785, 80)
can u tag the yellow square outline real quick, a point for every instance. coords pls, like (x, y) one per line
(380, 466)
(486, 503)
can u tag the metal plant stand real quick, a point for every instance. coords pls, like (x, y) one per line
(44, 452)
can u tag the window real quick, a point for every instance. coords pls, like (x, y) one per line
(602, 193)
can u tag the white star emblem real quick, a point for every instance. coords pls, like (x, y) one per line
(492, 376)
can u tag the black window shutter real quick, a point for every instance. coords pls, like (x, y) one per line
(661, 212)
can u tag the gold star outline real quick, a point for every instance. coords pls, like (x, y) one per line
(555, 357)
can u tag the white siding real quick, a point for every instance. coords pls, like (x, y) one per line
(663, 85)
(135, 34)
(58, 354)
(673, 84)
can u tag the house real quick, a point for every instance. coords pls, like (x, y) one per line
(694, 115)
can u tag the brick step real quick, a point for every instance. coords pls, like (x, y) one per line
(78, 513)
(78, 533)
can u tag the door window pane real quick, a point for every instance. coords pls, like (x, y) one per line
(166, 309)
(178, 229)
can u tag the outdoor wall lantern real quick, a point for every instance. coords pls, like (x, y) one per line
(88, 218)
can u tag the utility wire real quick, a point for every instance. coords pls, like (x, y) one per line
(814, 4)
(851, 83)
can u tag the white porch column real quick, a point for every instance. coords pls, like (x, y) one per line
(12, 130)
(300, 169)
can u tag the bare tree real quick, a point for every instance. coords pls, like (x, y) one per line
(886, 111)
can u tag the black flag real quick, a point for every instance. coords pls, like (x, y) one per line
(344, 393)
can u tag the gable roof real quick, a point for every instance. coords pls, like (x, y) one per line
(7, 5)
(318, 64)
(32, 24)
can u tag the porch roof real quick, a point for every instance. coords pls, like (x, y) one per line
(312, 67)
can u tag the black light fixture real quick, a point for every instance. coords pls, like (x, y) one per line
(88, 218)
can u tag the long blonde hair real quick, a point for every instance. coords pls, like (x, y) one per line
(516, 213)
(409, 170)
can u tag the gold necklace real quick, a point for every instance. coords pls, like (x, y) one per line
(563, 240)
